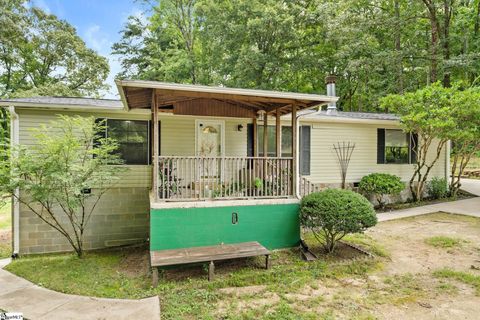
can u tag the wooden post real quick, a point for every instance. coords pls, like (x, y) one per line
(265, 152)
(255, 138)
(155, 146)
(294, 150)
(278, 129)
(265, 134)
(211, 271)
(154, 277)
(267, 261)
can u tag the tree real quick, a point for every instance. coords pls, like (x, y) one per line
(431, 113)
(466, 137)
(39, 52)
(63, 176)
(334, 213)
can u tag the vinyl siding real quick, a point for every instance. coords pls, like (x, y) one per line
(178, 136)
(324, 165)
(137, 176)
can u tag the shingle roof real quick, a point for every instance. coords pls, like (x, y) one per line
(65, 101)
(354, 115)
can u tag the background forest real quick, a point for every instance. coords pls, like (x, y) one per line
(375, 47)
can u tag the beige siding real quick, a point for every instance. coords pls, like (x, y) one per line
(136, 176)
(324, 165)
(178, 136)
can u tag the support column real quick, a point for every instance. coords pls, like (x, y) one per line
(278, 129)
(265, 134)
(255, 138)
(294, 150)
(265, 151)
(155, 146)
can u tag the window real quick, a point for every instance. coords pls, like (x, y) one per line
(286, 141)
(396, 147)
(305, 147)
(133, 137)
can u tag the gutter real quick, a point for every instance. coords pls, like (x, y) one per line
(15, 141)
(297, 154)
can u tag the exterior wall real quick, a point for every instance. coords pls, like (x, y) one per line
(122, 215)
(274, 226)
(177, 136)
(120, 218)
(325, 168)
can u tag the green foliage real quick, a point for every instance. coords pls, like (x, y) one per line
(380, 185)
(43, 55)
(465, 277)
(431, 113)
(68, 158)
(334, 213)
(437, 188)
(443, 242)
(375, 47)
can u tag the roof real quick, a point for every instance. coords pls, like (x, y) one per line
(354, 115)
(140, 94)
(68, 102)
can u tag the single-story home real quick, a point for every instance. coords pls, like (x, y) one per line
(212, 165)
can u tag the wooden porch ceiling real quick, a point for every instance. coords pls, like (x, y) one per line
(182, 99)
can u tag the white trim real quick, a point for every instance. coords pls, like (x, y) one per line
(224, 90)
(15, 141)
(448, 168)
(220, 203)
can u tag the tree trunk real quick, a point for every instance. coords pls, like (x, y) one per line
(447, 8)
(435, 36)
(398, 47)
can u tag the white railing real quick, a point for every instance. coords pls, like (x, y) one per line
(200, 178)
(307, 187)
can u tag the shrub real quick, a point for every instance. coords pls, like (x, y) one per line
(437, 188)
(334, 213)
(379, 185)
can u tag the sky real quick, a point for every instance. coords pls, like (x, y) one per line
(98, 23)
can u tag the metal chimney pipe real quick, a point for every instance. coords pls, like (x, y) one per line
(330, 81)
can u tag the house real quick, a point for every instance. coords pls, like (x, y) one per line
(211, 165)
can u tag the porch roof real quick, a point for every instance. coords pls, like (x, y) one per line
(176, 98)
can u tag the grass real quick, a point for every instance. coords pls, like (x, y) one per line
(465, 277)
(5, 216)
(5, 224)
(444, 242)
(184, 294)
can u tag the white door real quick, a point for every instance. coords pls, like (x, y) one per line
(210, 145)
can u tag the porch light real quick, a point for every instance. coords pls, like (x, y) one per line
(240, 127)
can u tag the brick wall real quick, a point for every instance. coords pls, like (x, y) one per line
(121, 217)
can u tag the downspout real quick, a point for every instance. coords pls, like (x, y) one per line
(14, 141)
(297, 154)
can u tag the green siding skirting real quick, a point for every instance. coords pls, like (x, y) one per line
(274, 226)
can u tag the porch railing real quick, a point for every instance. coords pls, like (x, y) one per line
(200, 178)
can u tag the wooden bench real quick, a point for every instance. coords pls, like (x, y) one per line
(163, 258)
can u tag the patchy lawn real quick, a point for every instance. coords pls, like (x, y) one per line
(5, 229)
(408, 279)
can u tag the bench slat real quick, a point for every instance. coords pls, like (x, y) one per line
(208, 253)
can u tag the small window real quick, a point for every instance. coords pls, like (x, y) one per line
(396, 147)
(286, 141)
(133, 139)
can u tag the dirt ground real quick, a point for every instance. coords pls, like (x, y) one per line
(405, 287)
(410, 254)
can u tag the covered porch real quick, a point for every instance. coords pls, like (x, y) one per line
(241, 144)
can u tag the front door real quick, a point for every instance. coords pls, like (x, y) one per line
(210, 146)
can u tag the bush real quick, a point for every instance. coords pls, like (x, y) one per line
(437, 188)
(379, 185)
(334, 213)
